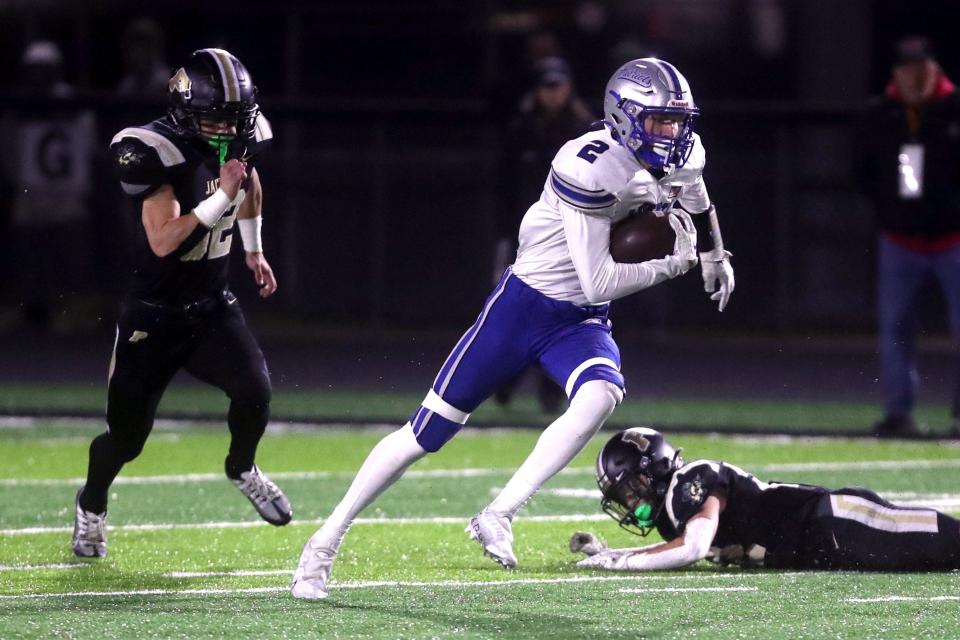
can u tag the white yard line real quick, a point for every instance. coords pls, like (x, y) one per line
(583, 517)
(366, 584)
(471, 473)
(279, 475)
(35, 567)
(941, 501)
(686, 589)
(228, 574)
(903, 599)
(946, 463)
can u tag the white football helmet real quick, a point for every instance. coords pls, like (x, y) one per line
(646, 87)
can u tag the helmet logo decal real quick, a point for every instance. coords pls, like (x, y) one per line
(180, 83)
(638, 75)
(631, 435)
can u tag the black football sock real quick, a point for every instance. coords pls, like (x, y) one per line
(105, 463)
(247, 422)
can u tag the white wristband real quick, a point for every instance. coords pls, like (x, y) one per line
(210, 210)
(250, 234)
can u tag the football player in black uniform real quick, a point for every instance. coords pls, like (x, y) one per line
(714, 509)
(193, 174)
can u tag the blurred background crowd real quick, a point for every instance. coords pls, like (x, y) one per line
(411, 137)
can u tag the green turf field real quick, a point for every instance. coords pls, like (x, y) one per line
(188, 558)
(826, 417)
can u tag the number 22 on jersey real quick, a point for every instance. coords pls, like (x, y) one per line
(216, 243)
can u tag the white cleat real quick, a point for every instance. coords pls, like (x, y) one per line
(89, 532)
(265, 496)
(313, 572)
(494, 534)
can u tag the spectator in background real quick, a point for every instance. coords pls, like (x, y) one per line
(548, 115)
(47, 160)
(145, 70)
(909, 165)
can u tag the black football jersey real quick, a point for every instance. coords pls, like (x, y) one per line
(768, 514)
(156, 154)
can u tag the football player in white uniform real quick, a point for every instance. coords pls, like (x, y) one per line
(551, 306)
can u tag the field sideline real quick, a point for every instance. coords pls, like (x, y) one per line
(188, 558)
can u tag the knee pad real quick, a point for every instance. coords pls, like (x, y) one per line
(602, 395)
(605, 370)
(436, 421)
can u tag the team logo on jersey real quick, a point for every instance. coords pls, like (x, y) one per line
(129, 156)
(138, 336)
(180, 83)
(692, 491)
(675, 190)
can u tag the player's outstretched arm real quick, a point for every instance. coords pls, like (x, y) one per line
(250, 220)
(694, 545)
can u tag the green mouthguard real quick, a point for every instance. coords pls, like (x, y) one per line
(221, 143)
(643, 513)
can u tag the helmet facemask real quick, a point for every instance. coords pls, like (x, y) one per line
(237, 119)
(629, 502)
(653, 150)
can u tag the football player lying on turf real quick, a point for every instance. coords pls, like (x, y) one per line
(714, 510)
(551, 306)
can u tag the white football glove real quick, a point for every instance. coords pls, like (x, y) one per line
(586, 542)
(685, 246)
(716, 269)
(611, 559)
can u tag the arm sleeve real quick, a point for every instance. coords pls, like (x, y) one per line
(708, 228)
(602, 279)
(696, 545)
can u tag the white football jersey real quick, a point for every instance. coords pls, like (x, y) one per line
(594, 182)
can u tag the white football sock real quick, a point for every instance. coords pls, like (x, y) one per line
(559, 444)
(384, 465)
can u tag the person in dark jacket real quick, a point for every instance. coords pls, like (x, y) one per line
(909, 166)
(548, 115)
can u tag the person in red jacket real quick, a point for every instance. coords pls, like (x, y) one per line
(908, 163)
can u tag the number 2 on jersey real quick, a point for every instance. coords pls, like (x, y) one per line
(592, 150)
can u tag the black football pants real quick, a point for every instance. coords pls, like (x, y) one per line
(212, 342)
(855, 529)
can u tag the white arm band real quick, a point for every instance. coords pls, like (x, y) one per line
(250, 234)
(696, 544)
(210, 210)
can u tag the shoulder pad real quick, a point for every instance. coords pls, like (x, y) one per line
(693, 168)
(689, 489)
(262, 137)
(142, 158)
(595, 162)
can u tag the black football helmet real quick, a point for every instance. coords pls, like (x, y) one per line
(634, 470)
(215, 86)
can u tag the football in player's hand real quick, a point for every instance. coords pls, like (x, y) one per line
(641, 237)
